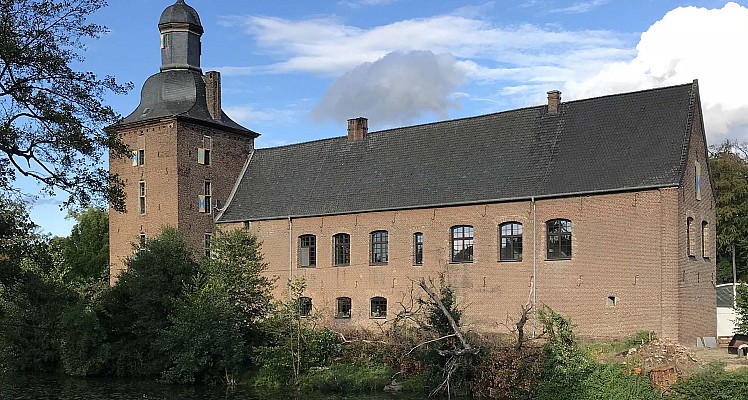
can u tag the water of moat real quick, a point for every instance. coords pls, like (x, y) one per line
(55, 388)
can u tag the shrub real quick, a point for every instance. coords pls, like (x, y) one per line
(713, 383)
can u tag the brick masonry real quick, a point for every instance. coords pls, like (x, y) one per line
(174, 179)
(630, 245)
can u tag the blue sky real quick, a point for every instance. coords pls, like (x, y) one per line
(296, 70)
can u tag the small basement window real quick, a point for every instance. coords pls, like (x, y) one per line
(611, 301)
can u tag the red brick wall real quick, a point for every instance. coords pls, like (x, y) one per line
(174, 179)
(697, 274)
(624, 245)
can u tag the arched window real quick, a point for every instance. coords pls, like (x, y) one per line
(379, 247)
(344, 307)
(342, 249)
(305, 306)
(559, 239)
(690, 237)
(510, 241)
(378, 307)
(704, 239)
(307, 251)
(418, 248)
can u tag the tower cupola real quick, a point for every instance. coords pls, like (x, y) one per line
(181, 30)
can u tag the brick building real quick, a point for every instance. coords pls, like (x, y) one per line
(601, 208)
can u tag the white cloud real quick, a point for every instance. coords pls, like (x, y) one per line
(395, 89)
(248, 115)
(360, 3)
(687, 43)
(581, 7)
(327, 46)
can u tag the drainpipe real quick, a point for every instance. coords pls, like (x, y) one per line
(290, 254)
(534, 271)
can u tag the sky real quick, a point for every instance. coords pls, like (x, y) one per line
(295, 71)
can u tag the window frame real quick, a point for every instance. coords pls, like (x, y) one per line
(345, 249)
(418, 248)
(379, 247)
(206, 198)
(690, 239)
(312, 250)
(305, 306)
(207, 241)
(462, 239)
(142, 192)
(705, 253)
(377, 312)
(512, 240)
(559, 238)
(341, 304)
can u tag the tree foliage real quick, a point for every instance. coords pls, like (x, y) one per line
(728, 164)
(741, 309)
(85, 253)
(51, 115)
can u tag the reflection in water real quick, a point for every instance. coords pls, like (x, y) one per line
(56, 388)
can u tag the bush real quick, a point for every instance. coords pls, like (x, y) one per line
(346, 378)
(714, 383)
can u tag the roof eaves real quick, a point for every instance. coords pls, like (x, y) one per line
(234, 189)
(466, 203)
(689, 128)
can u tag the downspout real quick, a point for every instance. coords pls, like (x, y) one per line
(534, 271)
(290, 255)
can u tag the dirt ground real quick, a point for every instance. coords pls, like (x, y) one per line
(731, 361)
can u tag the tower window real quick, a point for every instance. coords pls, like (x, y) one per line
(204, 152)
(206, 244)
(704, 239)
(204, 200)
(138, 157)
(141, 197)
(690, 237)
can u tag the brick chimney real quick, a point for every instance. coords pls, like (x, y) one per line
(213, 93)
(554, 101)
(357, 128)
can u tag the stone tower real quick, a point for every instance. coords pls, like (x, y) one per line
(186, 152)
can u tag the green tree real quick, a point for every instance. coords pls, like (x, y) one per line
(728, 164)
(31, 302)
(741, 309)
(51, 115)
(215, 325)
(137, 310)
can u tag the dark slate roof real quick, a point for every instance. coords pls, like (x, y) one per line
(181, 13)
(178, 93)
(611, 143)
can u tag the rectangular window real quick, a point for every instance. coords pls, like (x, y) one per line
(462, 243)
(138, 157)
(690, 237)
(558, 232)
(378, 307)
(510, 241)
(704, 239)
(204, 200)
(141, 240)
(379, 247)
(206, 244)
(141, 197)
(344, 307)
(204, 152)
(342, 249)
(307, 251)
(418, 248)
